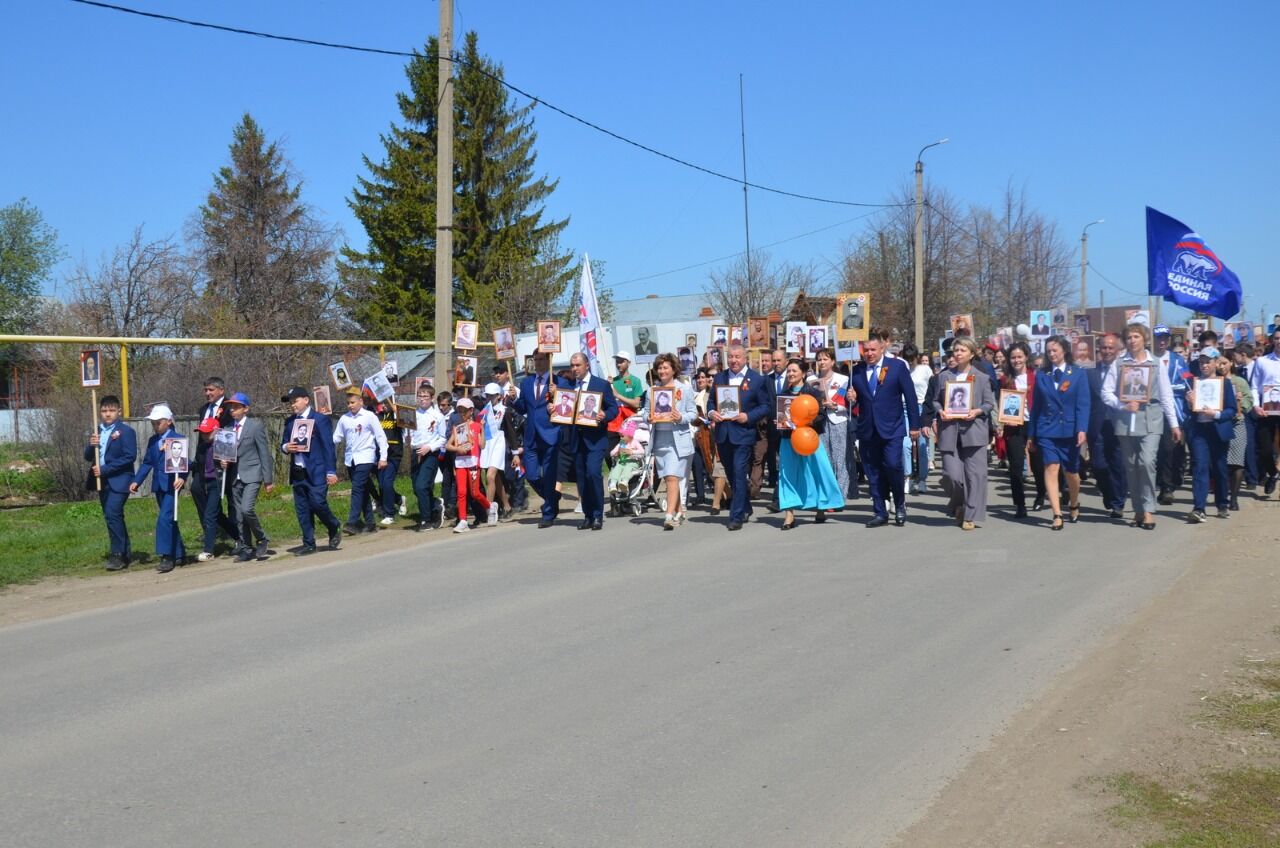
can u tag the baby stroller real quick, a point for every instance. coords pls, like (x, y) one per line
(632, 495)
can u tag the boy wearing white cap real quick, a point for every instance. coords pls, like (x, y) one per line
(169, 547)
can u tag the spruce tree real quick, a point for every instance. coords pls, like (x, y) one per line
(499, 235)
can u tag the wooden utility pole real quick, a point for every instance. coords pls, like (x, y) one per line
(444, 197)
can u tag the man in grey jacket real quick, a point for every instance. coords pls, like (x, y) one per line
(254, 469)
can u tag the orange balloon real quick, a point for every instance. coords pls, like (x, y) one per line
(804, 440)
(803, 410)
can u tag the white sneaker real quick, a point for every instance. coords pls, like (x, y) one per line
(461, 527)
(404, 506)
(205, 556)
(388, 521)
(493, 514)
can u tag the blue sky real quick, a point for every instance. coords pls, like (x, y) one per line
(1096, 109)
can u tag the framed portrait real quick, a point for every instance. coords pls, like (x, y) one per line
(847, 351)
(590, 404)
(300, 433)
(1196, 326)
(758, 332)
(782, 412)
(504, 343)
(719, 335)
(380, 386)
(662, 404)
(1059, 315)
(797, 338)
(754, 358)
(691, 340)
(548, 336)
(728, 400)
(528, 365)
(713, 358)
(1080, 320)
(815, 339)
(391, 370)
(853, 316)
(1227, 341)
(90, 368)
(465, 369)
(1084, 349)
(1041, 324)
(1178, 338)
(341, 376)
(961, 325)
(1137, 316)
(1208, 394)
(176, 458)
(564, 404)
(644, 338)
(1037, 346)
(462, 434)
(407, 417)
(1269, 401)
(957, 399)
(688, 362)
(1135, 383)
(420, 382)
(322, 400)
(1013, 407)
(224, 445)
(738, 334)
(466, 334)
(1259, 334)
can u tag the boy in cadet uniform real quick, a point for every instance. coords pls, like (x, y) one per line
(165, 487)
(113, 450)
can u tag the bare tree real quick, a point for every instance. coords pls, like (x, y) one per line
(737, 292)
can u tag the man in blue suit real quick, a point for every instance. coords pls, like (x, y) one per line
(311, 473)
(736, 431)
(165, 487)
(541, 437)
(1105, 461)
(884, 390)
(113, 450)
(588, 445)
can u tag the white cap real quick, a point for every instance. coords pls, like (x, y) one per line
(624, 354)
(465, 401)
(160, 410)
(493, 389)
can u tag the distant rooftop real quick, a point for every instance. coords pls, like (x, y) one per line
(662, 309)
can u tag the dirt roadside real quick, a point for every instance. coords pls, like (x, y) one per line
(1133, 705)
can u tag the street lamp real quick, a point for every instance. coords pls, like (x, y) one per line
(1084, 260)
(920, 241)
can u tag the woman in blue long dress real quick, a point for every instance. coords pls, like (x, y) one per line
(804, 482)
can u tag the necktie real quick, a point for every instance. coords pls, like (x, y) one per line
(872, 379)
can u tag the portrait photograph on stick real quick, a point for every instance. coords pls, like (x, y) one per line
(1135, 383)
(645, 339)
(224, 445)
(727, 401)
(815, 339)
(391, 370)
(464, 370)
(961, 326)
(91, 369)
(504, 343)
(1208, 394)
(176, 459)
(466, 335)
(590, 405)
(1196, 326)
(1270, 400)
(406, 417)
(757, 332)
(782, 412)
(380, 386)
(548, 336)
(959, 399)
(797, 338)
(719, 334)
(852, 316)
(563, 406)
(1013, 405)
(691, 340)
(322, 399)
(662, 404)
(737, 334)
(341, 376)
(300, 434)
(1041, 324)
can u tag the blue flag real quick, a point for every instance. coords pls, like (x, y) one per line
(1183, 270)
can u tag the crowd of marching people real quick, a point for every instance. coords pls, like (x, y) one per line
(794, 436)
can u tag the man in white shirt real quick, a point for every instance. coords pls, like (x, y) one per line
(1266, 372)
(365, 447)
(426, 441)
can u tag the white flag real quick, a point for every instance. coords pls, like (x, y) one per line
(589, 319)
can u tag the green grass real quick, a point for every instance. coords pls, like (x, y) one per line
(71, 538)
(1255, 706)
(36, 482)
(1231, 809)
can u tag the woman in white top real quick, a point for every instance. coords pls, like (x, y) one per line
(922, 455)
(834, 386)
(669, 428)
(1138, 425)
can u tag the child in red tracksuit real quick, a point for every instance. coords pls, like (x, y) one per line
(465, 443)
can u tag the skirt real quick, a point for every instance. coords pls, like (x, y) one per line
(1239, 445)
(666, 462)
(835, 441)
(807, 482)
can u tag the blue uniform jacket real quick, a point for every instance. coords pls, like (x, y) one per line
(881, 414)
(534, 409)
(1180, 381)
(1059, 412)
(153, 460)
(323, 457)
(756, 398)
(577, 434)
(117, 465)
(1097, 409)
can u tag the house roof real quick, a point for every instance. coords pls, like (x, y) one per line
(661, 309)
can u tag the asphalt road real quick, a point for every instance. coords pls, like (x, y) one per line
(518, 687)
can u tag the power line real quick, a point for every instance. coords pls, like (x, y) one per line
(532, 97)
(740, 253)
(1108, 281)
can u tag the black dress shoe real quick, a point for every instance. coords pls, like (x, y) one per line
(1269, 487)
(306, 549)
(245, 555)
(878, 521)
(165, 565)
(821, 517)
(1117, 514)
(335, 539)
(116, 563)
(900, 518)
(598, 524)
(1020, 512)
(351, 529)
(735, 525)
(262, 552)
(584, 524)
(545, 523)
(1037, 505)
(1165, 498)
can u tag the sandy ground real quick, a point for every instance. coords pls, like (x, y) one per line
(1134, 704)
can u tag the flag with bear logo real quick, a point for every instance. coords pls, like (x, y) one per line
(1182, 269)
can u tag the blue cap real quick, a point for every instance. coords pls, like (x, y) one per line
(240, 398)
(1210, 353)
(1160, 330)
